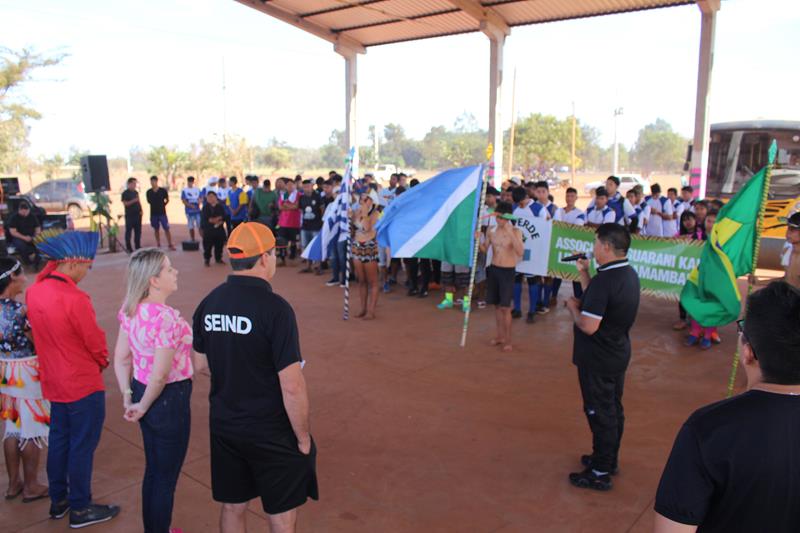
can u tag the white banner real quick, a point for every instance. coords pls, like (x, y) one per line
(536, 237)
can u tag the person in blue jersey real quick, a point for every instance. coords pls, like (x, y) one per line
(190, 196)
(523, 207)
(237, 203)
(600, 213)
(623, 210)
(660, 210)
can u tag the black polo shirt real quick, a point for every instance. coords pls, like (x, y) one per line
(249, 334)
(613, 297)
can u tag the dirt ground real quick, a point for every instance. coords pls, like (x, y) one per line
(414, 433)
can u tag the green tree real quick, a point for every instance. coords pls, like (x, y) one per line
(15, 69)
(52, 166)
(658, 147)
(167, 162)
(543, 141)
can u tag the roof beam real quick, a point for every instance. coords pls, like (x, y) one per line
(340, 42)
(490, 22)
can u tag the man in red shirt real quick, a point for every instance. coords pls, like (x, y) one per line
(72, 355)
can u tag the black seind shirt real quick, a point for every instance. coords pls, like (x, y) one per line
(249, 334)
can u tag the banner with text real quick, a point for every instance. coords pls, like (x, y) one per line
(536, 238)
(662, 264)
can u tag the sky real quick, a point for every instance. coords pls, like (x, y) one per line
(151, 72)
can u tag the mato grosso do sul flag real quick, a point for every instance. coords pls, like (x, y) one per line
(711, 294)
(436, 219)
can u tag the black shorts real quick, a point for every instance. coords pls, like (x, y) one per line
(499, 286)
(272, 469)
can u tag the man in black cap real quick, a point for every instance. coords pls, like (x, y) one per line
(23, 226)
(603, 318)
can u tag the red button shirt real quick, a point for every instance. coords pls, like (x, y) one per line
(71, 346)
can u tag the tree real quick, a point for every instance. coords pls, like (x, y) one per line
(15, 69)
(543, 141)
(658, 147)
(52, 166)
(166, 162)
(590, 153)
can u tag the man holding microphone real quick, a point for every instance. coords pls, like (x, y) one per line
(603, 318)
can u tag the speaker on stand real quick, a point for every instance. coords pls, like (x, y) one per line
(94, 171)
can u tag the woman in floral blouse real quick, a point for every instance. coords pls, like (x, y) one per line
(26, 414)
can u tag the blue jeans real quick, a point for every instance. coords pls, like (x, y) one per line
(165, 432)
(75, 429)
(338, 261)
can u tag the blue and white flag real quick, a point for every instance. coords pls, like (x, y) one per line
(335, 225)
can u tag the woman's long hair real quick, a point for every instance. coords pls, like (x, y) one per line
(144, 264)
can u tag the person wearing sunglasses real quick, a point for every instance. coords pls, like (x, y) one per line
(735, 464)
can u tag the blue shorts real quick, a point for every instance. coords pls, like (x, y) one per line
(156, 220)
(193, 220)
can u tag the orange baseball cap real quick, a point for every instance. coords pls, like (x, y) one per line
(250, 239)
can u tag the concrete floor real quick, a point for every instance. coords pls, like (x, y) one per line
(415, 433)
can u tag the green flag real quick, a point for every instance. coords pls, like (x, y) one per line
(711, 294)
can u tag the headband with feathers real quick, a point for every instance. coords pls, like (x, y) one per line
(62, 246)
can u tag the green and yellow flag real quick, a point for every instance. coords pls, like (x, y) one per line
(711, 295)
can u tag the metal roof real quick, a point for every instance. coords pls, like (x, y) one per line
(357, 24)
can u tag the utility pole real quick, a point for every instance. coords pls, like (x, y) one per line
(617, 113)
(224, 108)
(513, 125)
(572, 163)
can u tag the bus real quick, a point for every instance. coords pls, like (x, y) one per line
(737, 150)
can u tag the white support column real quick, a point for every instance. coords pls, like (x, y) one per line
(351, 92)
(699, 162)
(497, 41)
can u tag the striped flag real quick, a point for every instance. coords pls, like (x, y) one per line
(334, 222)
(436, 219)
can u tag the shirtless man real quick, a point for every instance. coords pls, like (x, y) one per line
(506, 243)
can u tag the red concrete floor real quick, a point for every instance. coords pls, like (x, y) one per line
(415, 433)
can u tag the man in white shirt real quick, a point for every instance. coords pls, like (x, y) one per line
(660, 209)
(387, 194)
(686, 201)
(623, 210)
(670, 226)
(571, 214)
(600, 212)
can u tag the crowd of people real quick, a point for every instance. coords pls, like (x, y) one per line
(52, 389)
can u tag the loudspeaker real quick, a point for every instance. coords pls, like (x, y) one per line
(94, 169)
(190, 246)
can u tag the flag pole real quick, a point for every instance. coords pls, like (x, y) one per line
(485, 177)
(773, 148)
(349, 177)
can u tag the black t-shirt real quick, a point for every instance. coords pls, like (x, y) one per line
(612, 296)
(134, 210)
(25, 225)
(210, 211)
(311, 207)
(249, 334)
(158, 201)
(735, 467)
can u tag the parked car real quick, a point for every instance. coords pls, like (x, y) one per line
(63, 196)
(626, 183)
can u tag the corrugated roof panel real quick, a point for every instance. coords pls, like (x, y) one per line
(299, 7)
(434, 26)
(389, 10)
(532, 12)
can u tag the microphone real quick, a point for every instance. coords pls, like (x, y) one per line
(569, 258)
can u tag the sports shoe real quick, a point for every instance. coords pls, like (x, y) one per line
(386, 287)
(59, 510)
(529, 319)
(413, 292)
(94, 514)
(332, 283)
(705, 343)
(445, 304)
(588, 460)
(516, 313)
(691, 340)
(342, 285)
(715, 338)
(542, 310)
(589, 480)
(481, 304)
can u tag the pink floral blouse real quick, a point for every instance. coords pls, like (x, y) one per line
(158, 326)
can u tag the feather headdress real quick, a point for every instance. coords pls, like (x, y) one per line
(62, 246)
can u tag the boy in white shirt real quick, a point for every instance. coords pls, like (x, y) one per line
(670, 225)
(600, 213)
(571, 214)
(660, 210)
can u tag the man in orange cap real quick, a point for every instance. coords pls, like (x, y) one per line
(260, 440)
